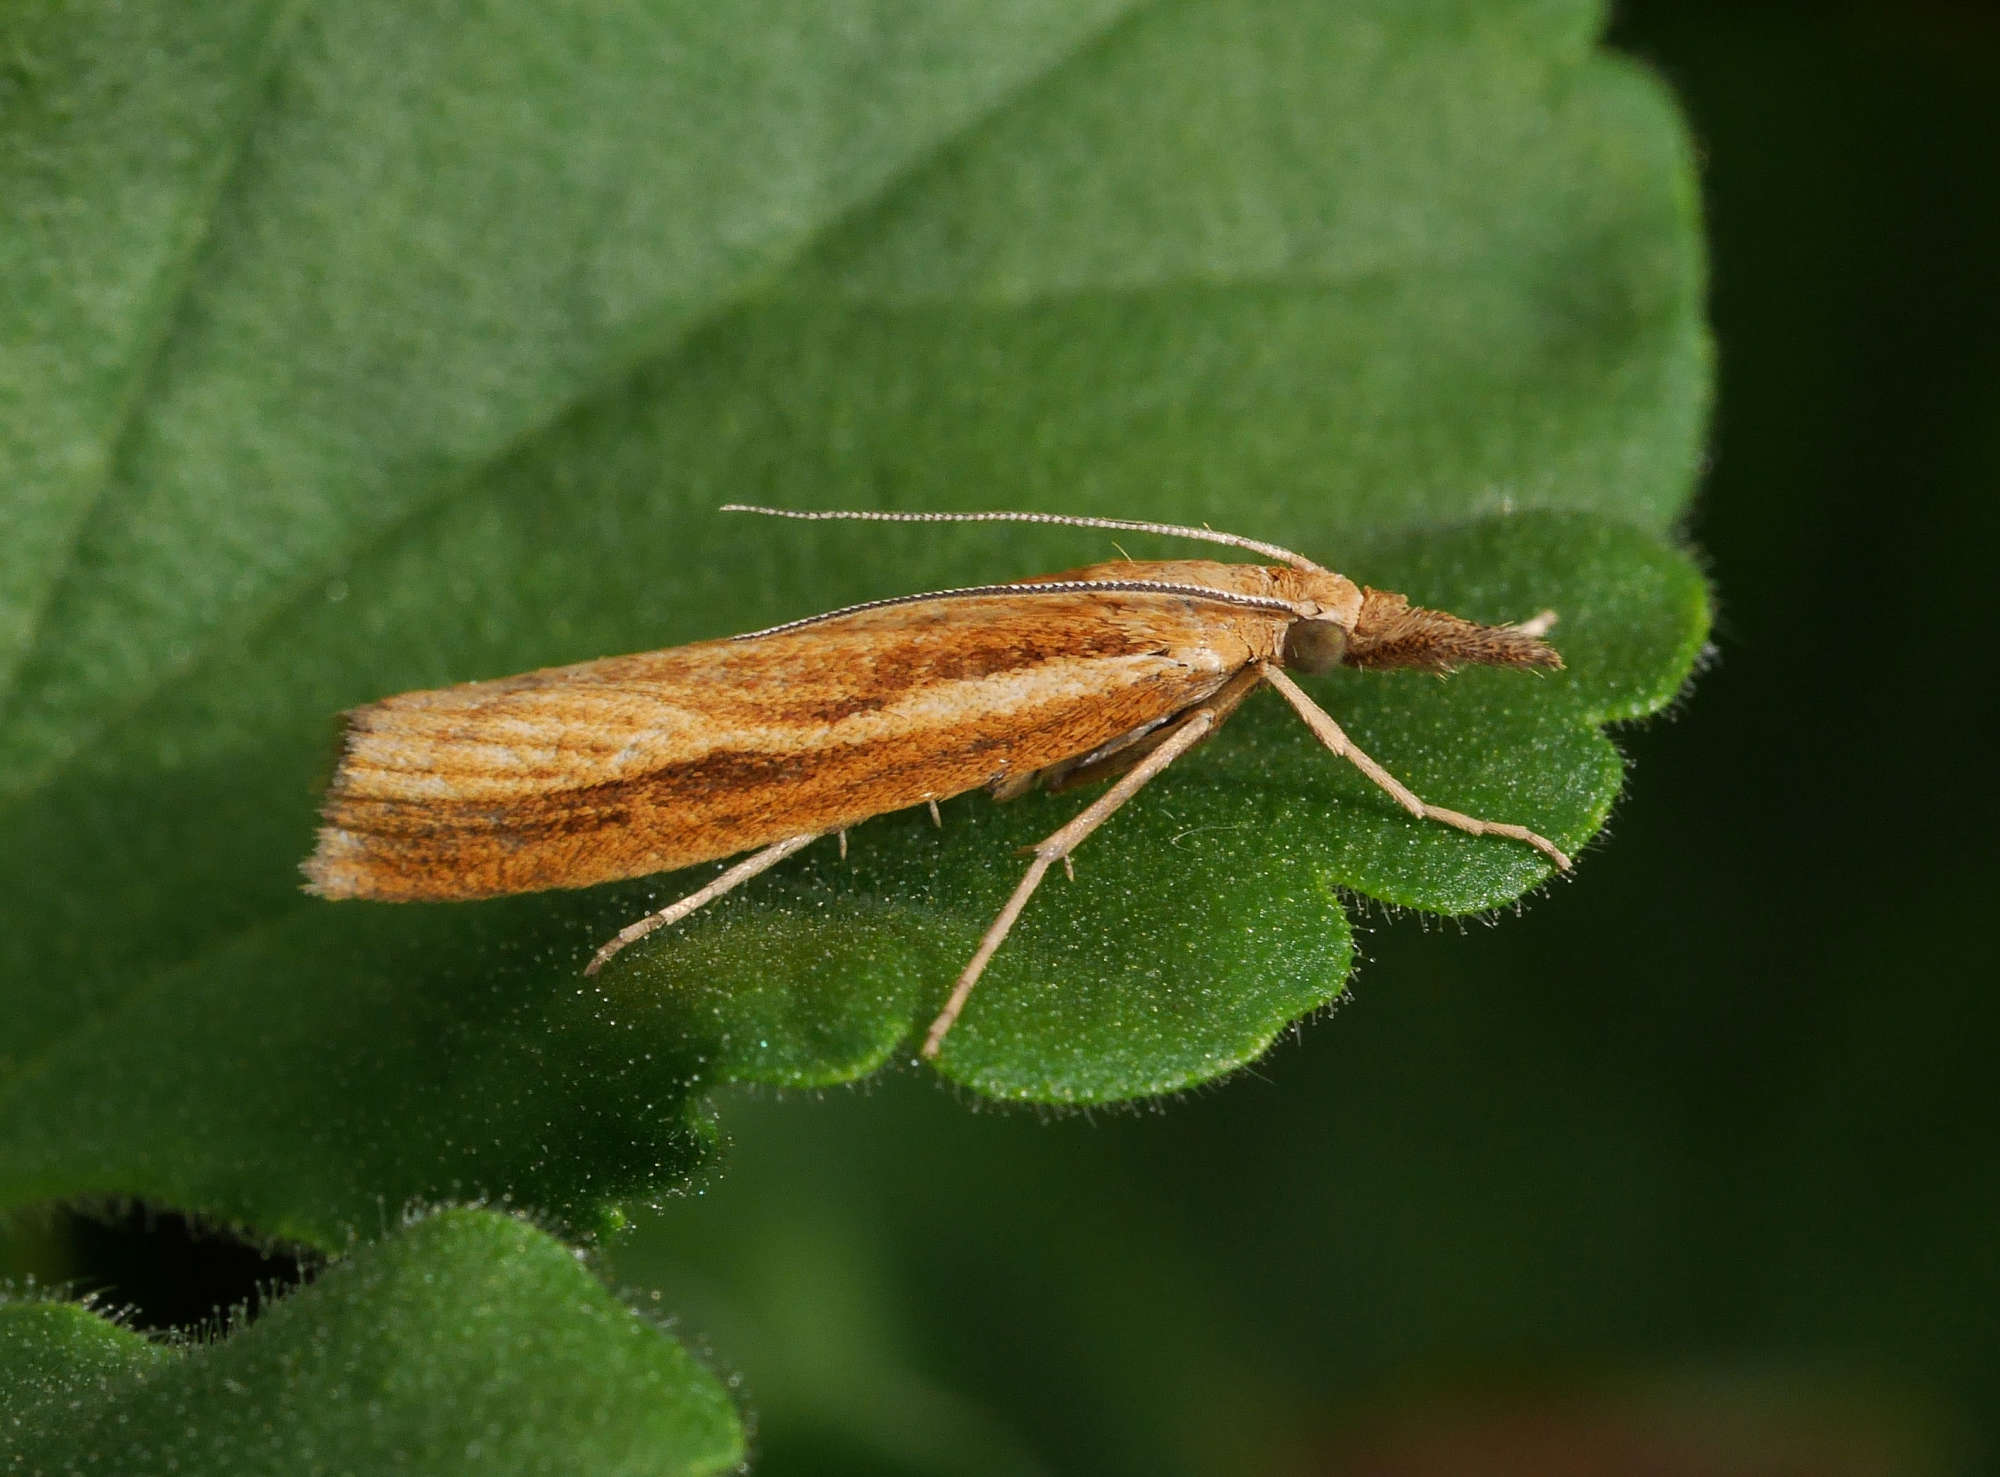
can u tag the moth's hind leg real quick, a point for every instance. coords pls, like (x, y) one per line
(736, 876)
(1174, 740)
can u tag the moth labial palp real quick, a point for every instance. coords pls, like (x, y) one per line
(761, 744)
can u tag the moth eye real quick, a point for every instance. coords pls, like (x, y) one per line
(1314, 646)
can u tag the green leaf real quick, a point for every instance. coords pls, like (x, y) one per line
(445, 231)
(118, 125)
(493, 313)
(467, 1340)
(55, 1357)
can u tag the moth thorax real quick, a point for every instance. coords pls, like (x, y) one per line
(1314, 646)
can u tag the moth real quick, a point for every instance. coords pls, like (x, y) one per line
(766, 742)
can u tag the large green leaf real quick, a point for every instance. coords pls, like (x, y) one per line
(118, 125)
(492, 315)
(468, 1341)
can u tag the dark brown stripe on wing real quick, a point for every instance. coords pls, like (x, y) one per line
(722, 803)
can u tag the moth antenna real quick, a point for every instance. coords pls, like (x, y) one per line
(1044, 587)
(1124, 525)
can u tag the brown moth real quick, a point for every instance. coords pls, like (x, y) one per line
(631, 765)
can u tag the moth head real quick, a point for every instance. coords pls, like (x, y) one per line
(1315, 644)
(1325, 607)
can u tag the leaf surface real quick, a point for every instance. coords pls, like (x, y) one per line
(465, 1341)
(488, 322)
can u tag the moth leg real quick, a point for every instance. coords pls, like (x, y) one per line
(1190, 731)
(1121, 754)
(742, 872)
(1109, 760)
(1329, 733)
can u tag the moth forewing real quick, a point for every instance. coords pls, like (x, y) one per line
(633, 765)
(639, 764)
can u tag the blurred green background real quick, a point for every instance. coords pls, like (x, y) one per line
(1688, 1169)
(1685, 1170)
